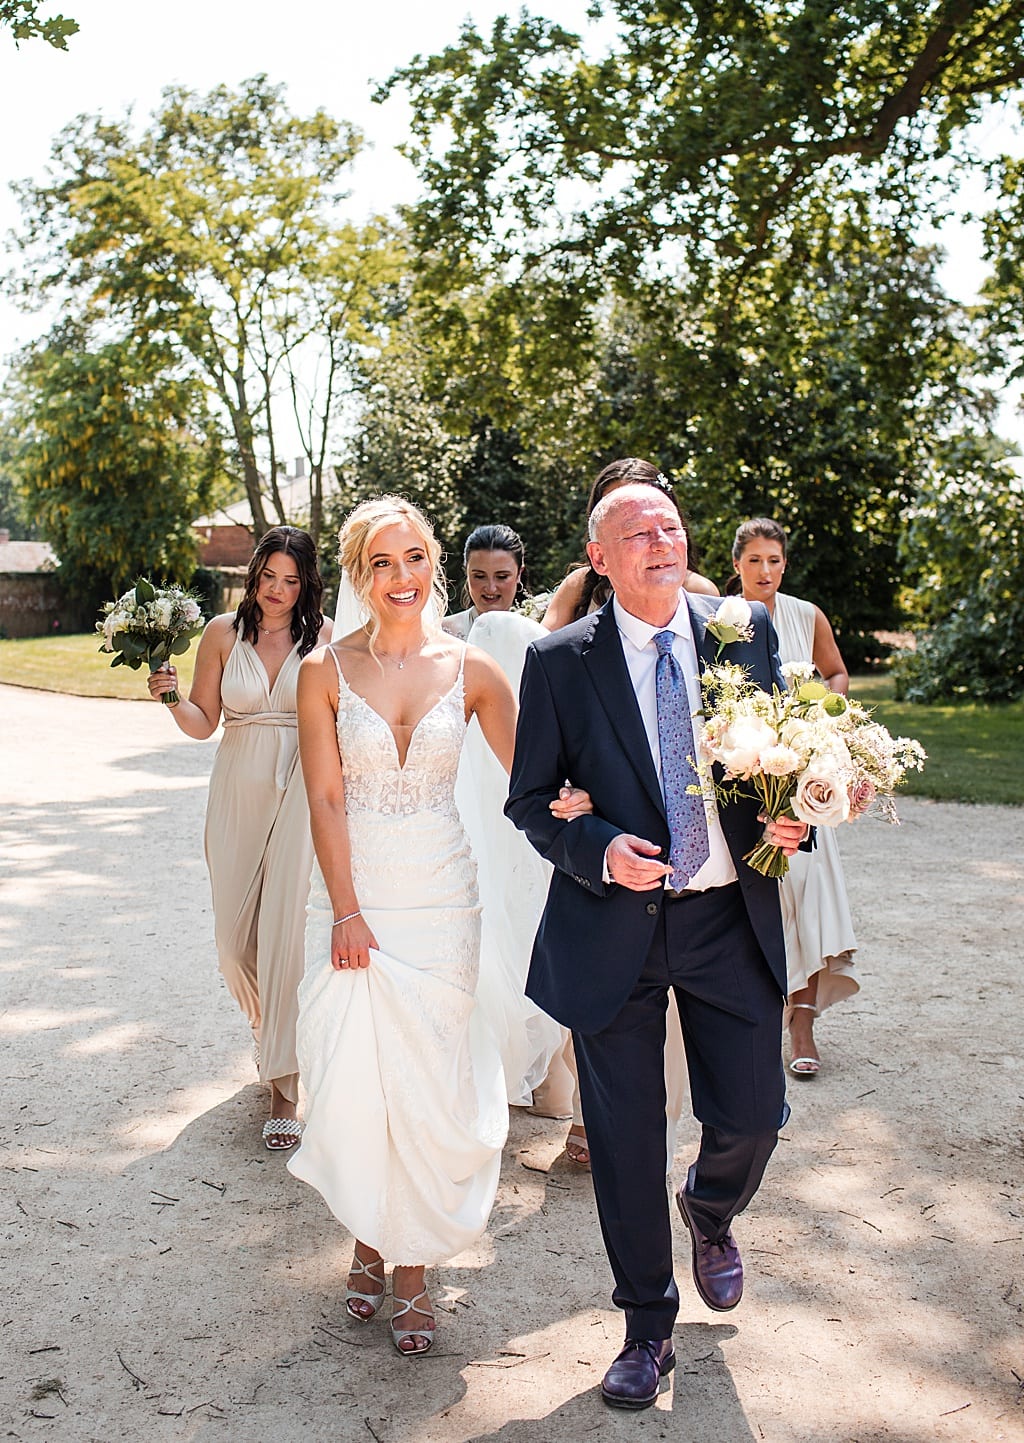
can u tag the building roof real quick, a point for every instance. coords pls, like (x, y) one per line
(294, 492)
(26, 556)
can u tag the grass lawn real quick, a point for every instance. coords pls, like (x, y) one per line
(74, 664)
(975, 751)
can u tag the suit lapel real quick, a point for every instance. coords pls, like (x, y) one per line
(603, 659)
(706, 645)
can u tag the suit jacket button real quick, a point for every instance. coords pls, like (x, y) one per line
(652, 909)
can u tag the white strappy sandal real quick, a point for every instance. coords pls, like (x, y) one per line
(805, 1066)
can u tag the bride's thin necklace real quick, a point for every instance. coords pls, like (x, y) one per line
(273, 630)
(400, 664)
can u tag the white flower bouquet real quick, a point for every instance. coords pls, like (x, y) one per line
(150, 624)
(807, 753)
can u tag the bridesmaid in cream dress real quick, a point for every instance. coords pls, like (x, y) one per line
(820, 940)
(258, 847)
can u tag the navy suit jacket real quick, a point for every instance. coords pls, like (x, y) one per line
(579, 719)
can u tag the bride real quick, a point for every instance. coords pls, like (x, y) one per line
(406, 1109)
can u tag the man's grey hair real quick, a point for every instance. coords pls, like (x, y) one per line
(600, 511)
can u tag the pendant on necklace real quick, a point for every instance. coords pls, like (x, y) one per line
(401, 664)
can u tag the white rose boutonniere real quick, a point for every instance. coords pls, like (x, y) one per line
(731, 622)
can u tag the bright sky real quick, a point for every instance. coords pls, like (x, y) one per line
(329, 53)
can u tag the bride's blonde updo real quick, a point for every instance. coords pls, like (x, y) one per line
(361, 525)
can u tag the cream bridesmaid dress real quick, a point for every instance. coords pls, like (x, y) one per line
(815, 908)
(260, 855)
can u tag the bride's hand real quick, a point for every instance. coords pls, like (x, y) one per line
(350, 944)
(570, 803)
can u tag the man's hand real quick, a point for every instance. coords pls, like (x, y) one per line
(786, 833)
(634, 862)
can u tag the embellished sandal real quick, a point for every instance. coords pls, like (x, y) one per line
(281, 1133)
(805, 1066)
(372, 1300)
(576, 1149)
(399, 1335)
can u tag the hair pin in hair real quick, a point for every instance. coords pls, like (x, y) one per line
(664, 482)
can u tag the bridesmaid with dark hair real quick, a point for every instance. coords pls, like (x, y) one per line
(259, 851)
(495, 564)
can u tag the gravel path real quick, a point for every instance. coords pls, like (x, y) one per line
(167, 1279)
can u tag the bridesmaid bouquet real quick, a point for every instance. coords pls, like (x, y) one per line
(150, 624)
(807, 753)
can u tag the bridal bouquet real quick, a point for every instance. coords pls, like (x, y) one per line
(150, 624)
(807, 753)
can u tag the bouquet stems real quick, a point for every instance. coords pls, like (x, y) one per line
(775, 794)
(169, 698)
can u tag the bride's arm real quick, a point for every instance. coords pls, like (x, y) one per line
(351, 939)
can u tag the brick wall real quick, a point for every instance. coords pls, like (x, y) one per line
(32, 604)
(224, 546)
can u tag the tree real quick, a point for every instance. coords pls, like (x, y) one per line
(701, 246)
(1003, 290)
(103, 447)
(698, 132)
(216, 232)
(964, 544)
(22, 18)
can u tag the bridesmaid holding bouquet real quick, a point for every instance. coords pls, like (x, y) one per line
(258, 846)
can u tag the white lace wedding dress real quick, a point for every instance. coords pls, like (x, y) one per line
(405, 1109)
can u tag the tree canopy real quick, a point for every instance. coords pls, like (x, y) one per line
(698, 132)
(24, 21)
(103, 445)
(217, 232)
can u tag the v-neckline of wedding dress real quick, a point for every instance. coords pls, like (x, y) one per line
(402, 764)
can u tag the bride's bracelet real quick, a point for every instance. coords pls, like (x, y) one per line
(338, 920)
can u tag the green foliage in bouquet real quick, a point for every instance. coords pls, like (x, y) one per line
(150, 624)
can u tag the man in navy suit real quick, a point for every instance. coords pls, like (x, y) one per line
(632, 912)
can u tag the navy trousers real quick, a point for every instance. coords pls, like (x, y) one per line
(730, 1008)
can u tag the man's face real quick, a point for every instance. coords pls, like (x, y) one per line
(641, 548)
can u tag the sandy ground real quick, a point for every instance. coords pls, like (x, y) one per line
(168, 1279)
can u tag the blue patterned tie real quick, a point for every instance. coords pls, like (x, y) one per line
(687, 823)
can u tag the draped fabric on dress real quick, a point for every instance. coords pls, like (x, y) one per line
(405, 1113)
(815, 908)
(260, 854)
(513, 880)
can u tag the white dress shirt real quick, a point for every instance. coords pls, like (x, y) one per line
(641, 655)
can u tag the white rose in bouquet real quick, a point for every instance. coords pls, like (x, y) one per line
(821, 799)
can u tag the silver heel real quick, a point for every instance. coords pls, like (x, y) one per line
(399, 1335)
(374, 1300)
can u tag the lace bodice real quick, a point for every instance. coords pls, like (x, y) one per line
(374, 781)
